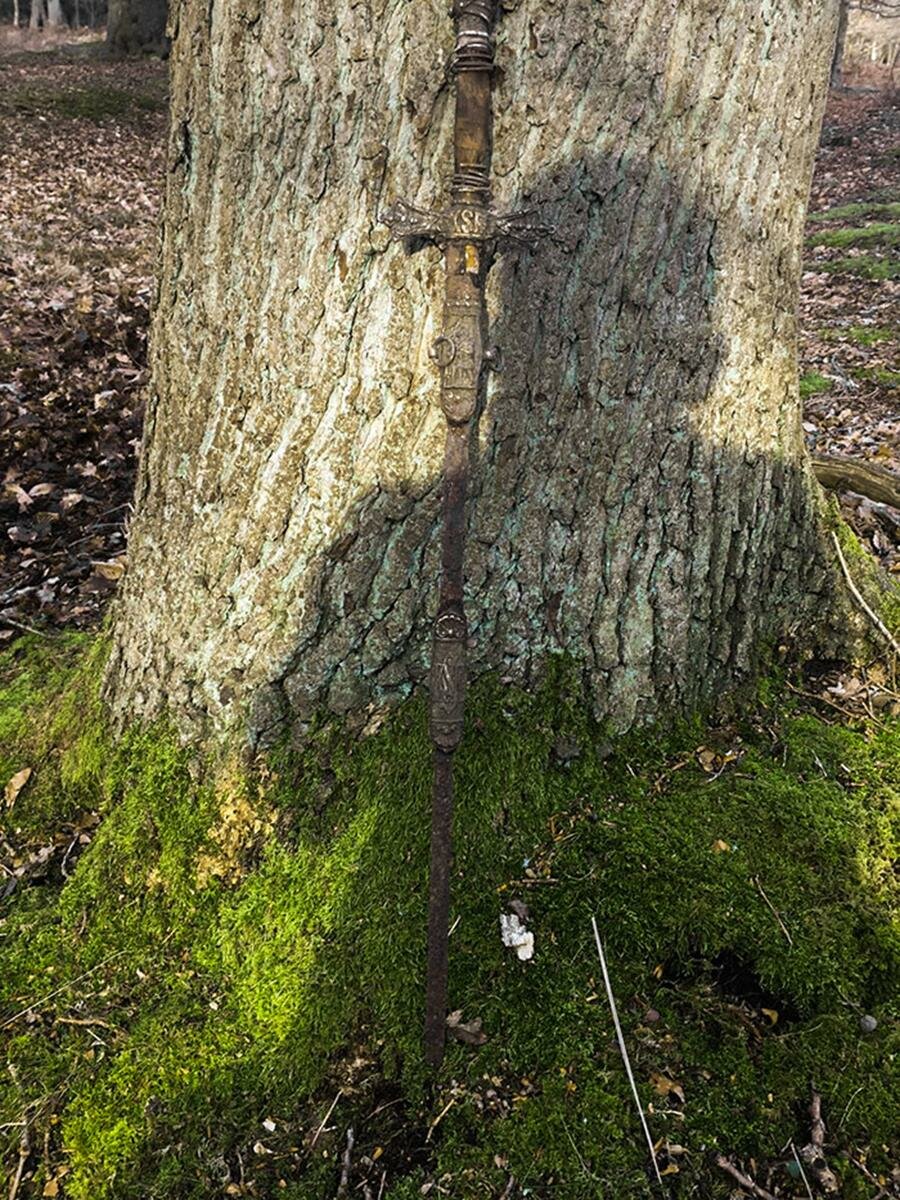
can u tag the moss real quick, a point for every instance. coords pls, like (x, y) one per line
(880, 375)
(880, 233)
(254, 940)
(879, 589)
(96, 103)
(861, 335)
(864, 265)
(812, 383)
(859, 211)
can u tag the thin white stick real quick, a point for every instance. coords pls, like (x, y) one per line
(870, 613)
(802, 1172)
(325, 1118)
(624, 1052)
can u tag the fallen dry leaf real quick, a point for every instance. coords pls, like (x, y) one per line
(666, 1086)
(469, 1032)
(15, 786)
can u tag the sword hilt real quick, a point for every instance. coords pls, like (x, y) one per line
(463, 223)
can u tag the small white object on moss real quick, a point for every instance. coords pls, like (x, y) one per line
(516, 936)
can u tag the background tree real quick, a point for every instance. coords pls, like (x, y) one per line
(643, 499)
(137, 26)
(837, 59)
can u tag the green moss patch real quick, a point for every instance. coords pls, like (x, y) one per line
(859, 211)
(866, 266)
(880, 375)
(224, 955)
(880, 233)
(861, 335)
(95, 103)
(812, 384)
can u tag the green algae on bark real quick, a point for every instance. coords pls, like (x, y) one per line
(252, 940)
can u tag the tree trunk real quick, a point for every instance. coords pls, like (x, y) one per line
(837, 58)
(55, 17)
(37, 14)
(137, 27)
(642, 498)
(15, 14)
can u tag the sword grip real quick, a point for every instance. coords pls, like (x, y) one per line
(448, 680)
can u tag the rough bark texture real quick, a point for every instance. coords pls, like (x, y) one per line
(137, 27)
(641, 499)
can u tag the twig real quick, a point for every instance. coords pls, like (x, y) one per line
(802, 1172)
(824, 700)
(381, 1185)
(347, 1163)
(882, 1192)
(508, 1190)
(817, 1125)
(744, 1181)
(857, 596)
(86, 1021)
(325, 1118)
(624, 1052)
(774, 910)
(814, 1153)
(20, 625)
(43, 1000)
(437, 1120)
(840, 1123)
(24, 1141)
(67, 855)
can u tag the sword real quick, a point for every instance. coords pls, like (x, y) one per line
(468, 230)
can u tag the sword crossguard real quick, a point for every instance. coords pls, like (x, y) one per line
(463, 223)
(521, 228)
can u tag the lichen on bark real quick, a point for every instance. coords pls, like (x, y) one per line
(642, 499)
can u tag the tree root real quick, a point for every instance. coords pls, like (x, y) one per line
(840, 474)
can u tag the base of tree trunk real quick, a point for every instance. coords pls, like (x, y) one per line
(216, 975)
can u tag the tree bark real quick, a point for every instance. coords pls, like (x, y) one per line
(837, 58)
(137, 27)
(55, 17)
(642, 498)
(37, 14)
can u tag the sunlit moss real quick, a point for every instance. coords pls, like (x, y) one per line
(860, 211)
(862, 335)
(880, 233)
(241, 996)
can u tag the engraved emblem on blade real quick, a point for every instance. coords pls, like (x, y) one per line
(443, 351)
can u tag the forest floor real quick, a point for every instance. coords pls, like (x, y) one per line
(81, 175)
